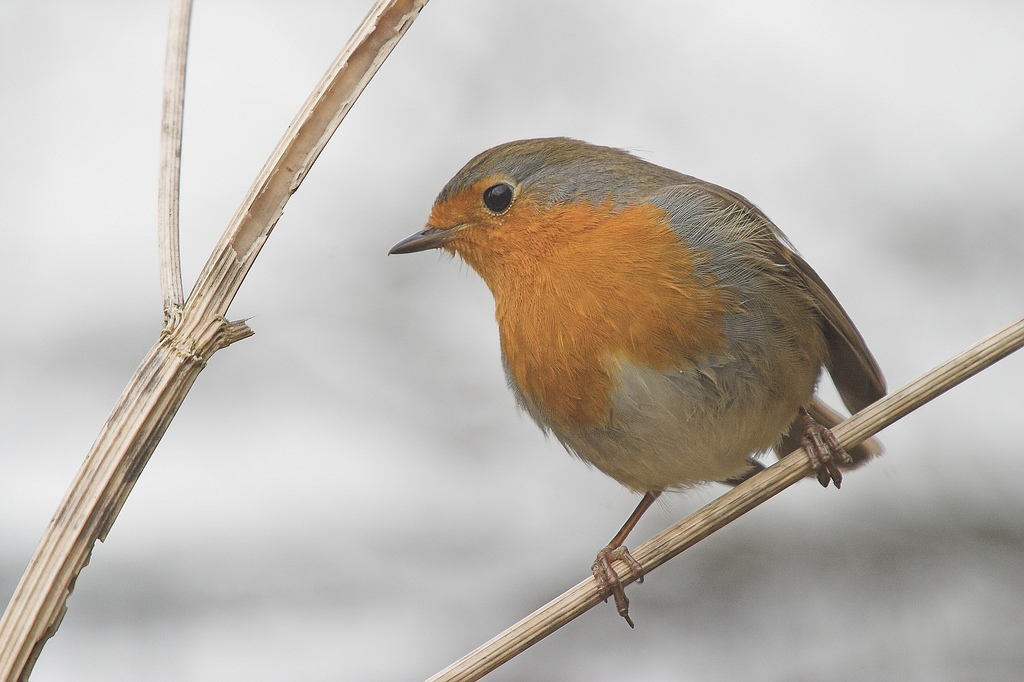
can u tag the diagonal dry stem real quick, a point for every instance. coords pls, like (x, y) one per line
(189, 338)
(730, 506)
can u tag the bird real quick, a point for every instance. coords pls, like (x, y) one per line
(659, 326)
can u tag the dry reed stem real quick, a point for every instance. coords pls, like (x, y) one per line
(730, 506)
(170, 158)
(159, 385)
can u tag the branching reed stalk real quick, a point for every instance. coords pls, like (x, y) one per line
(193, 332)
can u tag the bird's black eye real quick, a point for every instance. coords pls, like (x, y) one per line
(498, 197)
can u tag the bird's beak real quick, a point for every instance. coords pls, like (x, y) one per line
(429, 238)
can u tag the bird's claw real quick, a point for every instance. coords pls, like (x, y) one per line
(824, 451)
(609, 580)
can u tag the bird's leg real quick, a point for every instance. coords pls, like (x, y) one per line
(824, 451)
(605, 574)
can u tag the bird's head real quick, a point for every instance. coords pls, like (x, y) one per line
(518, 201)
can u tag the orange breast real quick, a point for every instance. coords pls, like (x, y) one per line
(580, 285)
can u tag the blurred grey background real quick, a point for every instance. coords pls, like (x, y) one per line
(351, 494)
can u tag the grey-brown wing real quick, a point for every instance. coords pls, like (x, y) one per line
(853, 368)
(851, 365)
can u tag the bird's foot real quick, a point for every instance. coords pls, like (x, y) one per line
(824, 451)
(608, 578)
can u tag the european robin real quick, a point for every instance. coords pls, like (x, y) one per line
(661, 327)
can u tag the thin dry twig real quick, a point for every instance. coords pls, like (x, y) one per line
(159, 385)
(730, 506)
(170, 158)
